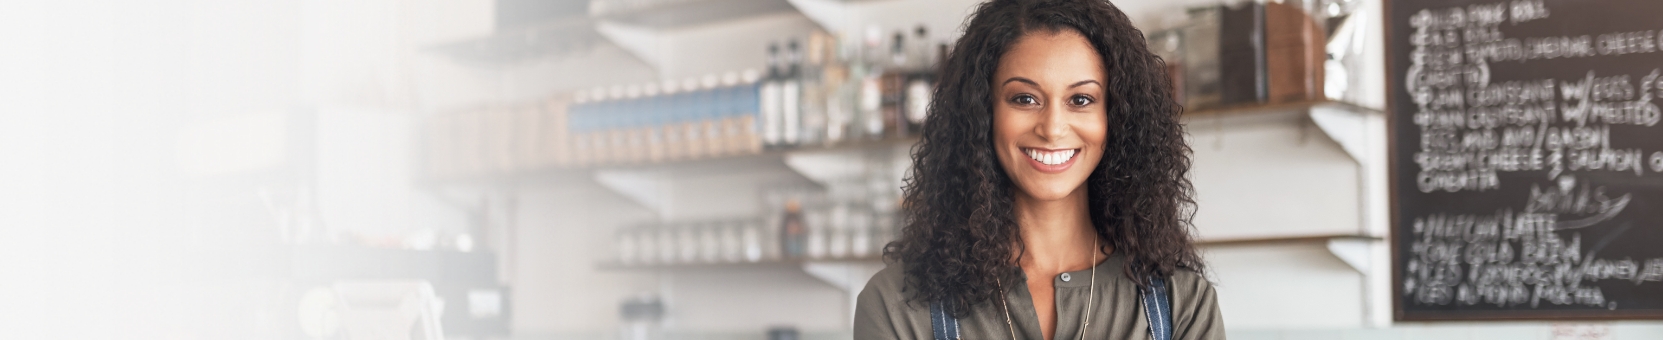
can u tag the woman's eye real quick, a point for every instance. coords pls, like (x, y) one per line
(1024, 100)
(1080, 100)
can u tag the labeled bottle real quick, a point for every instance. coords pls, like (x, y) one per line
(815, 88)
(840, 93)
(751, 240)
(792, 230)
(772, 103)
(894, 82)
(921, 84)
(791, 95)
(870, 100)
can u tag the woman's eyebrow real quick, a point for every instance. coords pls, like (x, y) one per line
(1019, 79)
(1035, 84)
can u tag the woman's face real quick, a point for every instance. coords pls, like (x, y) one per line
(1049, 118)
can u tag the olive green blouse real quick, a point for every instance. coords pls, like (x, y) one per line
(883, 310)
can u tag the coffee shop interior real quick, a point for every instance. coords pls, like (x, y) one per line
(623, 169)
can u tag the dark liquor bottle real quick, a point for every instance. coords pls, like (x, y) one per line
(772, 106)
(792, 231)
(921, 82)
(894, 86)
(791, 95)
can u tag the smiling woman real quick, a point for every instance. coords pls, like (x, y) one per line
(1053, 152)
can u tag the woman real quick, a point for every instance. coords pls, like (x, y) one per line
(1049, 196)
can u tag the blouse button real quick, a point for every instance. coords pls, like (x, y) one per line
(1065, 277)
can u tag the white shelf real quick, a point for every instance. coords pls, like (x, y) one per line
(659, 185)
(1349, 248)
(664, 14)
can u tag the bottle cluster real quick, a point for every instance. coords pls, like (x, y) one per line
(832, 89)
(819, 90)
(822, 90)
(847, 218)
(692, 118)
(724, 241)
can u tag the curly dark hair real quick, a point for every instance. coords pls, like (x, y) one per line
(960, 232)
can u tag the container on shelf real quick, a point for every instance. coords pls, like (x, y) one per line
(647, 246)
(752, 238)
(628, 247)
(687, 243)
(859, 231)
(710, 243)
(732, 241)
(668, 245)
(816, 223)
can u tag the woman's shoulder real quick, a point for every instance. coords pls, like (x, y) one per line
(882, 310)
(887, 290)
(1189, 280)
(1195, 313)
(887, 282)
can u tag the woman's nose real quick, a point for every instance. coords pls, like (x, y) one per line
(1053, 122)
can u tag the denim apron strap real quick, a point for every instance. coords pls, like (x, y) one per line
(944, 326)
(1157, 308)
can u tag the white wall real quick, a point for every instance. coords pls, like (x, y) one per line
(1259, 177)
(365, 179)
(1292, 286)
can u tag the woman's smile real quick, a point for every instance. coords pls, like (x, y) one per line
(1051, 161)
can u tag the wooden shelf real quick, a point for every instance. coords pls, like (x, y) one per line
(781, 263)
(684, 167)
(660, 14)
(1281, 240)
(1252, 108)
(1320, 239)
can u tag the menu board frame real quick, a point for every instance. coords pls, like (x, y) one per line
(1398, 232)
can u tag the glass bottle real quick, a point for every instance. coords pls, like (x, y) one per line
(791, 95)
(812, 76)
(772, 103)
(792, 230)
(751, 238)
(893, 83)
(841, 103)
(921, 83)
(870, 70)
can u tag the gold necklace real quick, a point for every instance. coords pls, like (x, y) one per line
(1091, 296)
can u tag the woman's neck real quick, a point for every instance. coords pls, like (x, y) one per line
(1057, 235)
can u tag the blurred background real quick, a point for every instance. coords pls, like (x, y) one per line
(614, 169)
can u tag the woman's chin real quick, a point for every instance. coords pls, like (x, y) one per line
(1049, 191)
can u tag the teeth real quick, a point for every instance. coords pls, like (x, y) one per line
(1050, 157)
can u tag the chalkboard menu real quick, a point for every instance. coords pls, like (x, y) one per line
(1527, 158)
